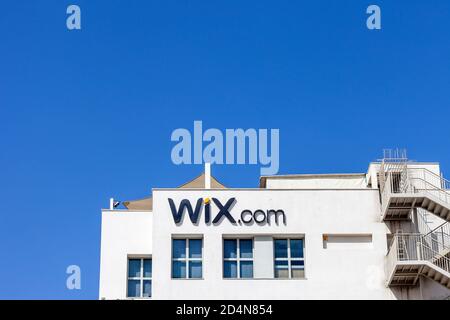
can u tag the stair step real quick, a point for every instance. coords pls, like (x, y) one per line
(445, 214)
(431, 206)
(442, 211)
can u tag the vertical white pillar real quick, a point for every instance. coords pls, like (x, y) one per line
(111, 204)
(263, 257)
(207, 175)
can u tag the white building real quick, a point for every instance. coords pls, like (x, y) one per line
(383, 234)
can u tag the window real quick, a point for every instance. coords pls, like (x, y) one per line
(139, 278)
(187, 258)
(238, 258)
(289, 258)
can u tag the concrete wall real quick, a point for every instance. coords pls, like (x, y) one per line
(330, 274)
(318, 182)
(124, 233)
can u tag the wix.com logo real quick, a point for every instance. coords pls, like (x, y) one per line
(223, 211)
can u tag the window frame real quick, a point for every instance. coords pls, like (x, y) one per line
(289, 258)
(238, 258)
(187, 259)
(142, 277)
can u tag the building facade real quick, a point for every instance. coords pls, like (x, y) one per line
(383, 234)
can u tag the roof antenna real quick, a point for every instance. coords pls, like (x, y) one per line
(207, 175)
(113, 204)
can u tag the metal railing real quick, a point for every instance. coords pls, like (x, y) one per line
(439, 238)
(397, 178)
(393, 179)
(391, 257)
(422, 223)
(435, 258)
(423, 180)
(431, 177)
(413, 247)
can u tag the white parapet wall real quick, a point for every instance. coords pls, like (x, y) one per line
(124, 234)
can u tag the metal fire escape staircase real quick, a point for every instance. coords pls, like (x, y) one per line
(411, 256)
(404, 189)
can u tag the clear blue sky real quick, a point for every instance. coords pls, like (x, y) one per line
(86, 115)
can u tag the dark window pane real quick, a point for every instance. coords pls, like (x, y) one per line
(298, 269)
(281, 269)
(195, 248)
(147, 288)
(147, 268)
(178, 269)
(246, 269)
(134, 288)
(281, 263)
(230, 269)
(281, 248)
(298, 264)
(195, 269)
(230, 249)
(134, 268)
(297, 248)
(178, 248)
(246, 248)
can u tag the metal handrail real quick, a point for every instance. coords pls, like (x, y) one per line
(407, 181)
(445, 226)
(423, 226)
(431, 189)
(439, 237)
(394, 182)
(438, 242)
(434, 257)
(412, 247)
(442, 182)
